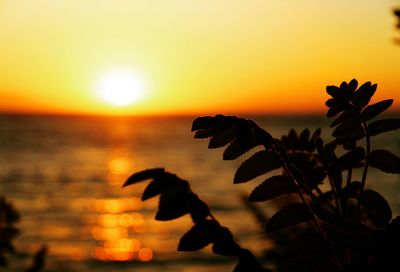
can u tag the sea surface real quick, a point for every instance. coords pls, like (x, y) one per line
(64, 175)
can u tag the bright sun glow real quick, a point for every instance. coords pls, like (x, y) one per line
(120, 88)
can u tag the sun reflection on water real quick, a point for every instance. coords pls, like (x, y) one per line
(119, 220)
(119, 169)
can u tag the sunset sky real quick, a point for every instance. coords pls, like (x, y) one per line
(196, 56)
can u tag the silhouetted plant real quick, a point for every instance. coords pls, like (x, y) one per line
(9, 217)
(8, 231)
(350, 228)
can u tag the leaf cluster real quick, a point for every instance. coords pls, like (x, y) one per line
(349, 227)
(8, 231)
(176, 200)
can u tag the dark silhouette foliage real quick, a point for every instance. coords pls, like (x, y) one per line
(9, 217)
(8, 231)
(344, 228)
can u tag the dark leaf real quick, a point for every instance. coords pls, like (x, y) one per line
(204, 133)
(38, 260)
(199, 236)
(173, 204)
(306, 246)
(334, 91)
(363, 95)
(144, 175)
(224, 243)
(376, 207)
(319, 144)
(353, 189)
(236, 149)
(292, 138)
(385, 161)
(380, 126)
(350, 145)
(288, 216)
(247, 263)
(316, 134)
(163, 183)
(334, 111)
(199, 209)
(203, 122)
(303, 139)
(272, 187)
(374, 110)
(351, 88)
(260, 163)
(352, 157)
(344, 116)
(223, 137)
(350, 128)
(334, 102)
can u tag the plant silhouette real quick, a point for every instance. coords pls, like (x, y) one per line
(9, 217)
(345, 228)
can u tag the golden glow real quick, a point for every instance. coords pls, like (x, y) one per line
(115, 227)
(145, 254)
(120, 88)
(196, 57)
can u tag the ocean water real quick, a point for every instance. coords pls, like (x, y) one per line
(64, 175)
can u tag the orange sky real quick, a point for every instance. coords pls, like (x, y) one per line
(197, 56)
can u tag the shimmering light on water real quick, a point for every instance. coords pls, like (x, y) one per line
(64, 175)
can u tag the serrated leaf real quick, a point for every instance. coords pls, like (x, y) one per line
(385, 161)
(173, 204)
(236, 149)
(380, 126)
(350, 128)
(163, 183)
(377, 208)
(288, 216)
(272, 187)
(260, 163)
(374, 110)
(144, 175)
(199, 236)
(352, 157)
(305, 246)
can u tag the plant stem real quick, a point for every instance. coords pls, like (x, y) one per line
(364, 175)
(337, 202)
(344, 200)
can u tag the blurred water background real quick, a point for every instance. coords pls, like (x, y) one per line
(64, 175)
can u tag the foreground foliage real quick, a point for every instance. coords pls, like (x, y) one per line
(345, 228)
(9, 217)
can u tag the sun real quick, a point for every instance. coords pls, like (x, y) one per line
(120, 87)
